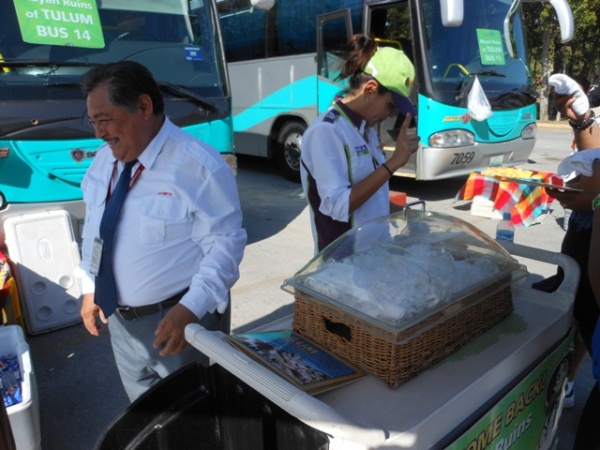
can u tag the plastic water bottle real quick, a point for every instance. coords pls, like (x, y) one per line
(505, 231)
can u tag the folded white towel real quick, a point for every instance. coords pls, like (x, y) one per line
(564, 85)
(582, 163)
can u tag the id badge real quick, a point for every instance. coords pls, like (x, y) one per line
(96, 256)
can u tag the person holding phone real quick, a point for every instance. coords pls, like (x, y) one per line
(344, 170)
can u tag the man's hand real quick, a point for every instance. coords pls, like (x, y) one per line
(89, 311)
(170, 331)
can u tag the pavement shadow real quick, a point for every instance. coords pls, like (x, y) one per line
(434, 190)
(261, 187)
(279, 313)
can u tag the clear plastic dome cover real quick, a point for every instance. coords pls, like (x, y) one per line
(397, 270)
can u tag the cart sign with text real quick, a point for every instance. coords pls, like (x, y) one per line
(527, 417)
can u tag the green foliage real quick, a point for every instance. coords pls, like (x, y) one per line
(579, 58)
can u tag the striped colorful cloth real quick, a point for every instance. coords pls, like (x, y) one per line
(524, 202)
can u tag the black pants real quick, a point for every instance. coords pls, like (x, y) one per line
(588, 437)
(7, 440)
(576, 244)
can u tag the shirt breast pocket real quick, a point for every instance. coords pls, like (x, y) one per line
(94, 207)
(164, 219)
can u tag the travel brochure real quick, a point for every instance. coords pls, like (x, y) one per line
(297, 359)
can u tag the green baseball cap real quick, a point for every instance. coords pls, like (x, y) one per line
(392, 68)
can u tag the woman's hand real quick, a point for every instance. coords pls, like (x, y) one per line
(406, 145)
(364, 189)
(576, 201)
(563, 104)
(573, 200)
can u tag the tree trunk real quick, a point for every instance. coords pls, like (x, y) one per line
(547, 69)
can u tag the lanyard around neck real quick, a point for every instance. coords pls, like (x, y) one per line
(134, 177)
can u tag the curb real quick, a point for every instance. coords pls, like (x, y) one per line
(557, 125)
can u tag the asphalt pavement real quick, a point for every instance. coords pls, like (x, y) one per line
(79, 389)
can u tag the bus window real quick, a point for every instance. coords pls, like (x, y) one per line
(391, 26)
(335, 46)
(281, 79)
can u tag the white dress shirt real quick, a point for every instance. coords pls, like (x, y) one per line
(581, 163)
(180, 225)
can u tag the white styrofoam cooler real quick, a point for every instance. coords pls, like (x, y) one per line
(46, 256)
(24, 417)
(483, 207)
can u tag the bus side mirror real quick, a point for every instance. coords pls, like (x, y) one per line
(262, 4)
(565, 19)
(452, 12)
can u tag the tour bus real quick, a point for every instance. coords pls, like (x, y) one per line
(46, 141)
(284, 57)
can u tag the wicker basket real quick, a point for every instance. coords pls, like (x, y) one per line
(395, 357)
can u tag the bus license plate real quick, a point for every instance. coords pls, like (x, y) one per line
(496, 160)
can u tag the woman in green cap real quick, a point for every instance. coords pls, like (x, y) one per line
(344, 170)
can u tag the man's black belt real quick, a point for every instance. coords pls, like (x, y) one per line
(136, 312)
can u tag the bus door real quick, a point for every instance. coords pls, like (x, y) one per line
(333, 33)
(390, 25)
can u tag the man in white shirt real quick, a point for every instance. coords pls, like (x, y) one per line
(178, 240)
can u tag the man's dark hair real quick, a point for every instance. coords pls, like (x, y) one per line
(126, 81)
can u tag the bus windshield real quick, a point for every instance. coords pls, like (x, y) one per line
(46, 140)
(44, 50)
(454, 55)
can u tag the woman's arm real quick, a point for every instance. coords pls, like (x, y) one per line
(594, 261)
(591, 185)
(405, 146)
(586, 138)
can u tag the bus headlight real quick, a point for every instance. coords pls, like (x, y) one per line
(451, 138)
(529, 131)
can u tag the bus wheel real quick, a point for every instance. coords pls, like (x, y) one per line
(288, 149)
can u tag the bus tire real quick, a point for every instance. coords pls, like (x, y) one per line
(288, 149)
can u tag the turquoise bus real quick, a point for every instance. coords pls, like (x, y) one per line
(283, 58)
(46, 142)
